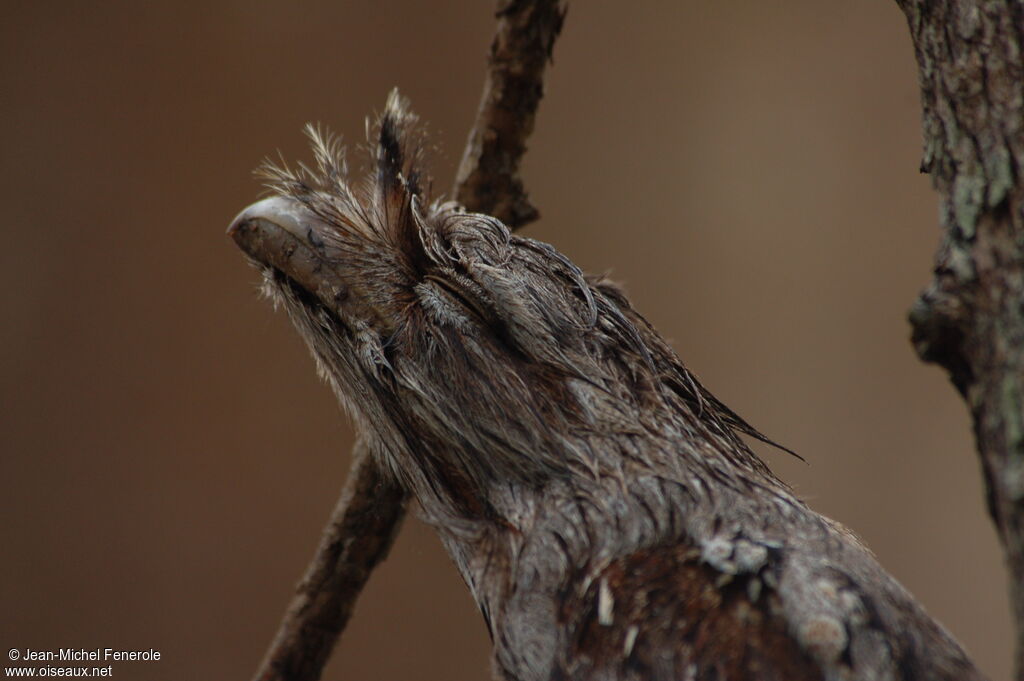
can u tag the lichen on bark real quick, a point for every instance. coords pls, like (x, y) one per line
(970, 318)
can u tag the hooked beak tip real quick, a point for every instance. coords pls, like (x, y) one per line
(281, 211)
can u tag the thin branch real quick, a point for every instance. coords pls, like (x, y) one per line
(369, 513)
(360, 533)
(488, 178)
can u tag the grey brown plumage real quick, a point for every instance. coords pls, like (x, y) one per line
(598, 500)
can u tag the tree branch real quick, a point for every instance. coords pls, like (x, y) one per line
(488, 178)
(369, 513)
(360, 533)
(970, 319)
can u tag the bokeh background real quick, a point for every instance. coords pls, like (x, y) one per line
(749, 170)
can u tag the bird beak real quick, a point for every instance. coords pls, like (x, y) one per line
(282, 233)
(259, 220)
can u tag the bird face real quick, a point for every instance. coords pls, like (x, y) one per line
(475, 356)
(445, 335)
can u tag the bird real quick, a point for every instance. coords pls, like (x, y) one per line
(602, 506)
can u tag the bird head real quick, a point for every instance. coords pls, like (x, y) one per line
(476, 357)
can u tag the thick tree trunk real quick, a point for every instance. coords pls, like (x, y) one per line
(970, 319)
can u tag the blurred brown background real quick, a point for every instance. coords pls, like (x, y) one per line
(748, 169)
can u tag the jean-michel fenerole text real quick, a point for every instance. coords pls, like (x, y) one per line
(91, 654)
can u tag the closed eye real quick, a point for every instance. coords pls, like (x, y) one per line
(457, 300)
(472, 304)
(445, 306)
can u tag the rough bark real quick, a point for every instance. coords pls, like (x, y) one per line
(488, 178)
(970, 319)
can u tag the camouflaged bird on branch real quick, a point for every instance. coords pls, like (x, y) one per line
(600, 503)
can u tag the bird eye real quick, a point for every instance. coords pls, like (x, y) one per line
(454, 299)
